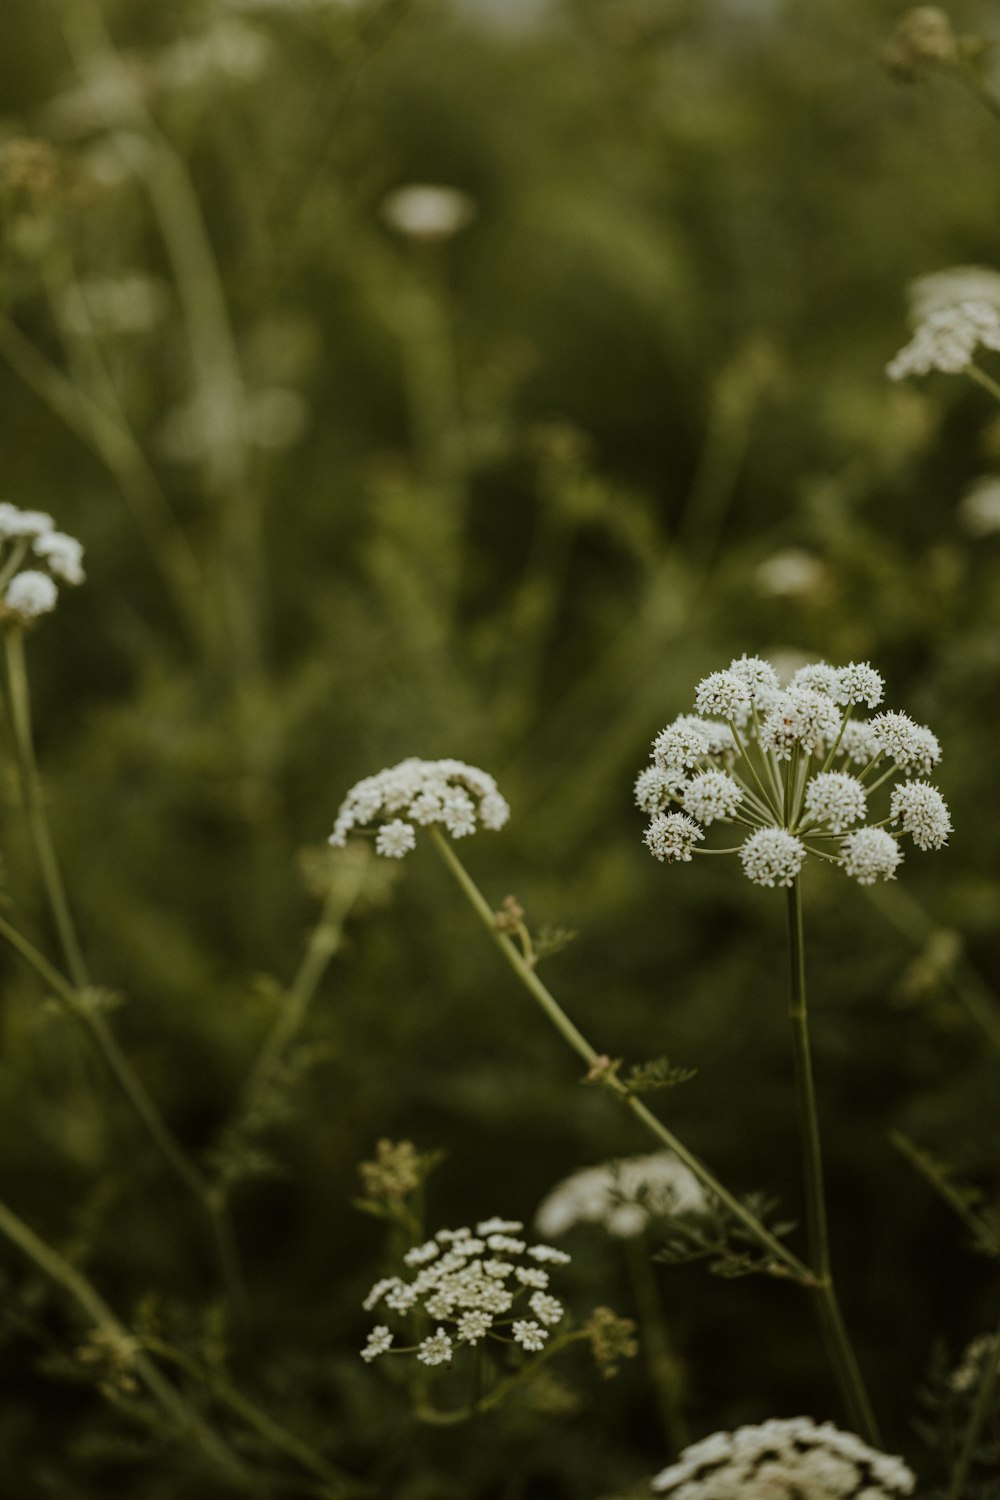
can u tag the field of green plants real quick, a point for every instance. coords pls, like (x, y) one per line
(464, 383)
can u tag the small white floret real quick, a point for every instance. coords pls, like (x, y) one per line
(835, 800)
(31, 594)
(772, 856)
(724, 695)
(529, 1334)
(711, 796)
(64, 555)
(395, 840)
(548, 1310)
(870, 854)
(922, 812)
(859, 682)
(379, 1342)
(436, 1350)
(672, 837)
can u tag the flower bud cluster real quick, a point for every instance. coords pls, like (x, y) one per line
(448, 793)
(30, 536)
(473, 1285)
(794, 768)
(784, 1459)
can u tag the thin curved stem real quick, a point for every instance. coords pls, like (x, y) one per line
(665, 1370)
(838, 1343)
(984, 1404)
(181, 1414)
(785, 1261)
(142, 1105)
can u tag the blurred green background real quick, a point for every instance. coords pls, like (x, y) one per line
(350, 495)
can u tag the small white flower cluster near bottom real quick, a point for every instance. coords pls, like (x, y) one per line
(784, 1460)
(472, 1284)
(457, 797)
(794, 769)
(623, 1196)
(31, 535)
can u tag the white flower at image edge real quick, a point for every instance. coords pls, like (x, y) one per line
(31, 594)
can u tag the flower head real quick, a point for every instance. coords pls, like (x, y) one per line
(624, 1196)
(30, 594)
(449, 793)
(797, 773)
(947, 340)
(784, 1460)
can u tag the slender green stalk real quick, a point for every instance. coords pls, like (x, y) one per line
(323, 944)
(784, 1258)
(181, 1414)
(664, 1367)
(271, 1431)
(142, 1105)
(38, 825)
(981, 378)
(984, 1404)
(838, 1344)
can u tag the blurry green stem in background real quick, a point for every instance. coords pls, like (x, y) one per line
(665, 1370)
(106, 434)
(19, 704)
(835, 1334)
(981, 378)
(786, 1262)
(983, 1407)
(271, 1431)
(79, 1002)
(425, 1412)
(323, 943)
(909, 918)
(182, 1416)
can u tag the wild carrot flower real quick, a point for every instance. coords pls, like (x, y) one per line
(448, 793)
(624, 1196)
(784, 1460)
(474, 1285)
(796, 771)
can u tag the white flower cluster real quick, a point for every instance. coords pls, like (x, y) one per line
(624, 1196)
(784, 1459)
(458, 797)
(486, 1283)
(947, 339)
(30, 536)
(794, 768)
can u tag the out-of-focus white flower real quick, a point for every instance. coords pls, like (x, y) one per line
(23, 523)
(529, 1334)
(448, 793)
(64, 555)
(436, 1350)
(30, 594)
(943, 289)
(789, 574)
(427, 211)
(229, 50)
(947, 340)
(787, 1459)
(624, 1196)
(379, 1342)
(979, 508)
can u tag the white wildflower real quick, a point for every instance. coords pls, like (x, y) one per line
(819, 677)
(910, 745)
(870, 854)
(31, 594)
(800, 717)
(859, 682)
(532, 1276)
(395, 839)
(427, 211)
(64, 555)
(421, 1254)
(672, 836)
(658, 1186)
(457, 796)
(757, 676)
(724, 695)
(549, 1255)
(499, 1226)
(858, 742)
(922, 812)
(436, 1350)
(943, 289)
(836, 800)
(772, 856)
(473, 1326)
(711, 796)
(23, 523)
(378, 1291)
(655, 787)
(947, 340)
(529, 1334)
(548, 1310)
(379, 1342)
(785, 1459)
(682, 744)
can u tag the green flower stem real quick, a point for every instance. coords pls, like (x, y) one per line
(271, 1431)
(984, 1403)
(142, 1105)
(665, 1371)
(981, 378)
(425, 1412)
(767, 796)
(323, 943)
(831, 757)
(838, 1344)
(20, 715)
(784, 1258)
(184, 1417)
